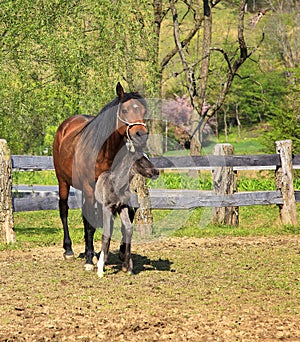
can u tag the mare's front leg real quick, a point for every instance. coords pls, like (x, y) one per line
(125, 248)
(64, 189)
(106, 236)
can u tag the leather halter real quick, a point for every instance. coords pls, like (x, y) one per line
(129, 142)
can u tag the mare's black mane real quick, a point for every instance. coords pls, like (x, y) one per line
(102, 126)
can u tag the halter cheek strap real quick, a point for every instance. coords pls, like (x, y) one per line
(129, 142)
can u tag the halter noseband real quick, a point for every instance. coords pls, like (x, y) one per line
(129, 142)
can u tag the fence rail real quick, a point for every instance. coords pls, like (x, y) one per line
(32, 198)
(238, 162)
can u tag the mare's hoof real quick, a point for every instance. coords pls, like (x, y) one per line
(95, 256)
(95, 259)
(69, 256)
(81, 255)
(89, 267)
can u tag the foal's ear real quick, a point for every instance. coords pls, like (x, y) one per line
(120, 91)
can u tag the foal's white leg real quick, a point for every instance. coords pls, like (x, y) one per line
(106, 235)
(100, 265)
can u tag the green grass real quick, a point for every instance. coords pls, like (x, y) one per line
(250, 141)
(43, 228)
(254, 221)
(34, 178)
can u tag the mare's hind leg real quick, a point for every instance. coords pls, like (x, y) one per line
(125, 247)
(89, 232)
(90, 222)
(63, 211)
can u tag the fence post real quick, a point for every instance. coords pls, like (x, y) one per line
(225, 183)
(143, 215)
(284, 183)
(6, 211)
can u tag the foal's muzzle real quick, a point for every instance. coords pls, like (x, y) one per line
(139, 137)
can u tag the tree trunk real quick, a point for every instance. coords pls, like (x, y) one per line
(6, 209)
(198, 101)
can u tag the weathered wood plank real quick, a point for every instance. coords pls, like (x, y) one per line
(261, 160)
(242, 162)
(45, 197)
(41, 197)
(296, 161)
(31, 199)
(172, 199)
(35, 163)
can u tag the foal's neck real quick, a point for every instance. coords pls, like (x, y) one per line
(121, 171)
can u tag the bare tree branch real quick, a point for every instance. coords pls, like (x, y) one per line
(197, 24)
(189, 74)
(226, 57)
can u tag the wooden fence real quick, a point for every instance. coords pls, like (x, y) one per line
(223, 165)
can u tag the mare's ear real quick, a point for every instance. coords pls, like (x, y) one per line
(120, 91)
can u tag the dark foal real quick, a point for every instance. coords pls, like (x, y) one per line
(112, 193)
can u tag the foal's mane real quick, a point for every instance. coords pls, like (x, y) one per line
(101, 127)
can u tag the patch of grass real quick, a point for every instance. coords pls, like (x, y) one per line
(254, 221)
(182, 180)
(35, 177)
(255, 181)
(249, 141)
(44, 228)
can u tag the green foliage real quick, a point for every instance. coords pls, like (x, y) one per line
(60, 58)
(285, 121)
(65, 57)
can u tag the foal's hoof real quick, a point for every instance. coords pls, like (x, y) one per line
(69, 256)
(89, 267)
(127, 271)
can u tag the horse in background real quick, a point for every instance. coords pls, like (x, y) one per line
(113, 195)
(84, 147)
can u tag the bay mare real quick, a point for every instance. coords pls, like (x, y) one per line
(84, 147)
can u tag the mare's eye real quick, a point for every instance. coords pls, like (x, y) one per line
(124, 111)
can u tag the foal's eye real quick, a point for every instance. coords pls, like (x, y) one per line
(124, 111)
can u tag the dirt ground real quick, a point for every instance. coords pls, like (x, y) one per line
(223, 289)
